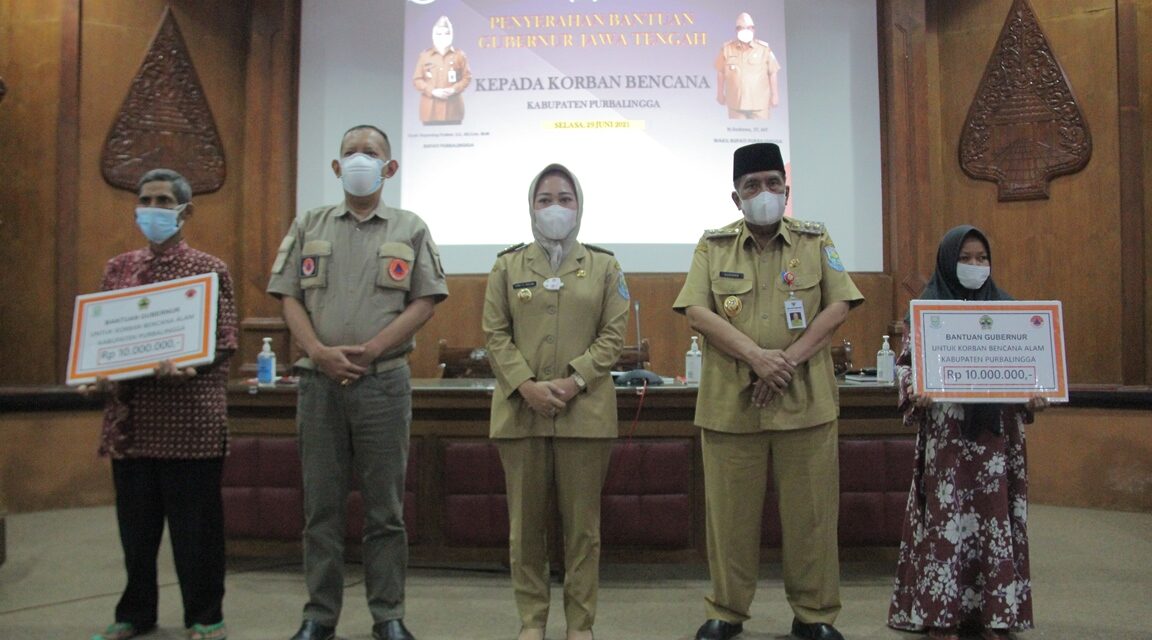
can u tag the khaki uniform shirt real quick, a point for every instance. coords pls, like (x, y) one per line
(440, 71)
(747, 69)
(533, 332)
(355, 277)
(746, 287)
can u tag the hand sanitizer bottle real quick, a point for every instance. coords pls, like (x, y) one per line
(885, 363)
(266, 365)
(692, 361)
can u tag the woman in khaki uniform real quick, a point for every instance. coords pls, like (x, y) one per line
(555, 313)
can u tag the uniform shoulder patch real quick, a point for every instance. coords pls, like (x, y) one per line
(833, 257)
(726, 233)
(621, 283)
(805, 226)
(515, 247)
(592, 247)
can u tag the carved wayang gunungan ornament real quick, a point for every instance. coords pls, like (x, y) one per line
(1024, 126)
(165, 120)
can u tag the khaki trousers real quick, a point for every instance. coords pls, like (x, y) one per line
(575, 468)
(805, 465)
(357, 429)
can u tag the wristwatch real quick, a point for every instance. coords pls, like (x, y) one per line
(580, 382)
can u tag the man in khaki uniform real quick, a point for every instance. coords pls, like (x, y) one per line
(768, 392)
(441, 75)
(746, 72)
(356, 281)
(555, 313)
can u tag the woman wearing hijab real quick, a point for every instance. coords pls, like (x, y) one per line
(963, 560)
(555, 313)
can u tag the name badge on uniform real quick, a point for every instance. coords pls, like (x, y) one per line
(794, 313)
(553, 284)
(452, 76)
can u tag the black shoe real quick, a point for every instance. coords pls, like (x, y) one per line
(815, 631)
(312, 630)
(391, 630)
(719, 630)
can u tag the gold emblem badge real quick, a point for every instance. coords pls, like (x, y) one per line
(524, 294)
(580, 273)
(793, 263)
(732, 306)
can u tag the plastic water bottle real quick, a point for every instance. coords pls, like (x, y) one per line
(266, 365)
(692, 361)
(885, 363)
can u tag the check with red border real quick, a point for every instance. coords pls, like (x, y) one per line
(125, 333)
(1005, 351)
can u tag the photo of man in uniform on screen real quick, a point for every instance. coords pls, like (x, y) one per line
(746, 71)
(441, 75)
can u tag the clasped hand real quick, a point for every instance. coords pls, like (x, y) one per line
(547, 397)
(773, 374)
(342, 363)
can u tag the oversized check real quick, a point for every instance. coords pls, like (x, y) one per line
(125, 333)
(1001, 351)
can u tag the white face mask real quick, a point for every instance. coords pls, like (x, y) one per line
(745, 35)
(765, 209)
(441, 41)
(972, 276)
(360, 174)
(555, 222)
(158, 224)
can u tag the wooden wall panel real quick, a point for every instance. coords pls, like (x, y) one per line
(1134, 265)
(1068, 247)
(457, 320)
(269, 168)
(1144, 59)
(30, 63)
(50, 461)
(1109, 467)
(116, 35)
(61, 221)
(906, 107)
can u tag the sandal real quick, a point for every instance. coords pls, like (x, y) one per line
(995, 634)
(943, 633)
(208, 631)
(117, 631)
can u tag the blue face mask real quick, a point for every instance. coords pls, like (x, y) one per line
(158, 224)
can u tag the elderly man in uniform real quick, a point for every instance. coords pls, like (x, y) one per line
(768, 392)
(441, 75)
(746, 72)
(356, 281)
